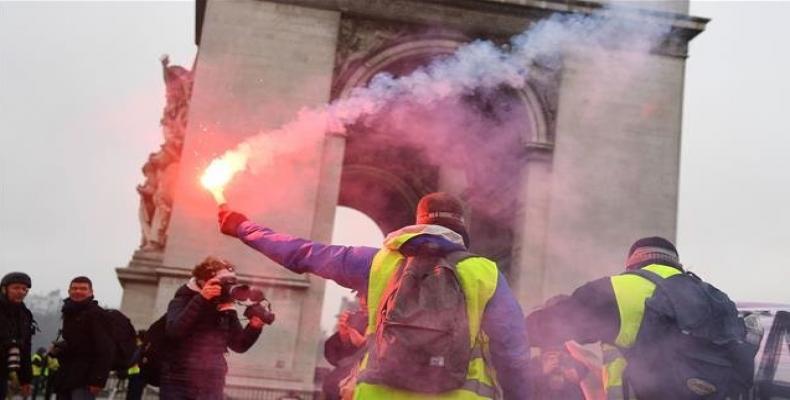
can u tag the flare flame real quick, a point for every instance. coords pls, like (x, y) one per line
(220, 172)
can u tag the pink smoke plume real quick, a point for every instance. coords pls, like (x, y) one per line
(478, 65)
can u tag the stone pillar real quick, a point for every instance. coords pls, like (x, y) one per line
(531, 236)
(259, 63)
(615, 167)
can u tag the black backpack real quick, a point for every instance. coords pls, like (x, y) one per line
(153, 352)
(691, 343)
(422, 338)
(124, 337)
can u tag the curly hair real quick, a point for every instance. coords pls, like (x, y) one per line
(209, 267)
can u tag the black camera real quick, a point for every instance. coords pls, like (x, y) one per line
(253, 298)
(262, 310)
(226, 283)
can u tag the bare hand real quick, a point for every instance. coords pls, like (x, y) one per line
(356, 338)
(95, 390)
(256, 322)
(342, 327)
(211, 289)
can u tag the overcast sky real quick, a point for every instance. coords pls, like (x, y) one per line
(81, 95)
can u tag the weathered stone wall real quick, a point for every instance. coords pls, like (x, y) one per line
(615, 166)
(258, 64)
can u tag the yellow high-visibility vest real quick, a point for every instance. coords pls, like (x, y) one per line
(52, 364)
(36, 359)
(630, 291)
(478, 279)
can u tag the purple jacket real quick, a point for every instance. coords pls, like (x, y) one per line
(349, 266)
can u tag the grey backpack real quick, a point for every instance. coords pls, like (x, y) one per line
(422, 339)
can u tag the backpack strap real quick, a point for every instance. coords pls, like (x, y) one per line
(455, 257)
(651, 276)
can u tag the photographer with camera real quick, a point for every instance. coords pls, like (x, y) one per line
(16, 330)
(202, 325)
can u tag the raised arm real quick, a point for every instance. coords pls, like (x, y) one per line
(182, 313)
(589, 315)
(241, 339)
(349, 266)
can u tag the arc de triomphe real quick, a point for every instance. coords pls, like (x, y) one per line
(575, 188)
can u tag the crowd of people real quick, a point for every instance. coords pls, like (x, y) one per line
(199, 328)
(435, 321)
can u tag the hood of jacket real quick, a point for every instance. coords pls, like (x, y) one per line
(424, 239)
(188, 289)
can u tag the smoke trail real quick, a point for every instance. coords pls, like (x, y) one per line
(479, 66)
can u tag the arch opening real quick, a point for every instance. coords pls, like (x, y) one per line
(474, 145)
(351, 228)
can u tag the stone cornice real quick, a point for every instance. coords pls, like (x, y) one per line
(500, 17)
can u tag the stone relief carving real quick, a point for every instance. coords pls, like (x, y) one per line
(357, 39)
(360, 39)
(156, 199)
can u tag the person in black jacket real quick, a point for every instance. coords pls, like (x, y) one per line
(16, 330)
(87, 349)
(201, 326)
(602, 310)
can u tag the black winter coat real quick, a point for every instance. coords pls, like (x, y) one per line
(199, 336)
(88, 355)
(16, 324)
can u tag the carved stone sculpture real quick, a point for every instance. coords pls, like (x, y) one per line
(156, 192)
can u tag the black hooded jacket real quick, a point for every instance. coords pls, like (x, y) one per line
(199, 336)
(87, 357)
(591, 314)
(16, 325)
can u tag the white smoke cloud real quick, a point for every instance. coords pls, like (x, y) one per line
(479, 66)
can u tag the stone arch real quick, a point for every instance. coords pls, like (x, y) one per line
(375, 183)
(416, 47)
(385, 197)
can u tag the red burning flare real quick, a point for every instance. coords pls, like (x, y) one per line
(220, 172)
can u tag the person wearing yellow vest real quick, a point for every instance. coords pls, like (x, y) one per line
(607, 310)
(498, 366)
(40, 362)
(136, 384)
(52, 369)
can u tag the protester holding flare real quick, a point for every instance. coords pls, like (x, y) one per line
(492, 327)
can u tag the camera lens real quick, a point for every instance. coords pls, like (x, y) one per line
(256, 295)
(240, 293)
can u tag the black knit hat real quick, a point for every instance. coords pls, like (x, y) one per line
(652, 250)
(440, 208)
(16, 277)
